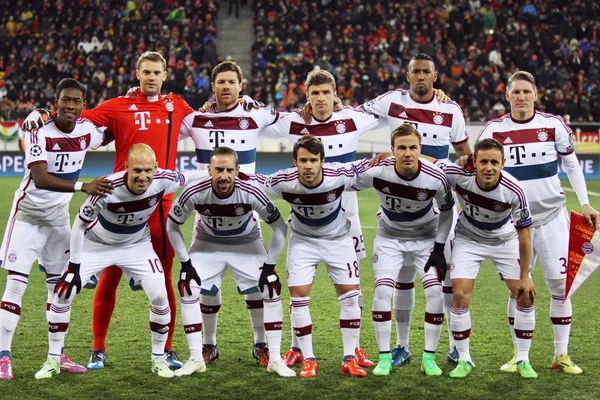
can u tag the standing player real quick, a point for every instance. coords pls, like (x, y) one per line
(535, 142)
(494, 224)
(227, 236)
(227, 124)
(113, 230)
(441, 124)
(339, 132)
(319, 232)
(38, 227)
(409, 229)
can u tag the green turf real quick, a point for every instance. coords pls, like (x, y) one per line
(235, 374)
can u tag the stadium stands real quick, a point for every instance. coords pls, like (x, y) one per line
(97, 42)
(476, 44)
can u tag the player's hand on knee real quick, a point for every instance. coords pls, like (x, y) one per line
(98, 187)
(186, 276)
(438, 260)
(249, 104)
(526, 292)
(69, 280)
(133, 93)
(36, 119)
(270, 279)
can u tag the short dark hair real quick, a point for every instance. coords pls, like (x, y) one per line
(310, 143)
(405, 129)
(422, 56)
(224, 67)
(224, 151)
(151, 56)
(70, 83)
(488, 144)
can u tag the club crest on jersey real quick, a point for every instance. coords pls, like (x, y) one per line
(12, 257)
(340, 127)
(244, 124)
(587, 248)
(169, 106)
(542, 135)
(331, 196)
(421, 196)
(438, 119)
(239, 211)
(82, 144)
(35, 150)
(152, 201)
(498, 207)
(375, 258)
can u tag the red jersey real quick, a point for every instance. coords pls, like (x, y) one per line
(156, 123)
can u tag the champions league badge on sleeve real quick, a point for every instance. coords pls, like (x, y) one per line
(35, 150)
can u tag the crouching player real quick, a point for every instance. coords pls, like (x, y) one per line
(113, 230)
(494, 224)
(227, 236)
(409, 230)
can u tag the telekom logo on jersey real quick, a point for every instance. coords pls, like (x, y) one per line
(142, 118)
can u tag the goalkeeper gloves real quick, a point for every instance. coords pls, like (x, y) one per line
(269, 278)
(36, 119)
(69, 280)
(186, 276)
(437, 260)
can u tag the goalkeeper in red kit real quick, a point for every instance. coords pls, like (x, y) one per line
(155, 120)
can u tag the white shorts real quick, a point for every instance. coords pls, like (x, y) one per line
(550, 243)
(305, 253)
(389, 256)
(357, 236)
(467, 256)
(24, 243)
(211, 261)
(138, 261)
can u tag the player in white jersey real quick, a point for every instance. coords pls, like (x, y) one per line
(228, 236)
(494, 224)
(340, 132)
(113, 230)
(535, 143)
(441, 125)
(409, 229)
(38, 226)
(319, 232)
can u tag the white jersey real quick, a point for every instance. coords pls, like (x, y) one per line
(224, 220)
(235, 128)
(121, 218)
(339, 133)
(63, 153)
(315, 212)
(407, 207)
(488, 216)
(440, 124)
(532, 149)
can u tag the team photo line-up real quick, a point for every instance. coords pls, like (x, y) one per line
(512, 213)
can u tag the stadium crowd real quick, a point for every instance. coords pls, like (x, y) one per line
(476, 46)
(97, 43)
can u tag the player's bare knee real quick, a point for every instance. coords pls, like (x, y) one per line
(461, 298)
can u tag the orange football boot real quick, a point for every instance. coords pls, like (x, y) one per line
(352, 368)
(309, 368)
